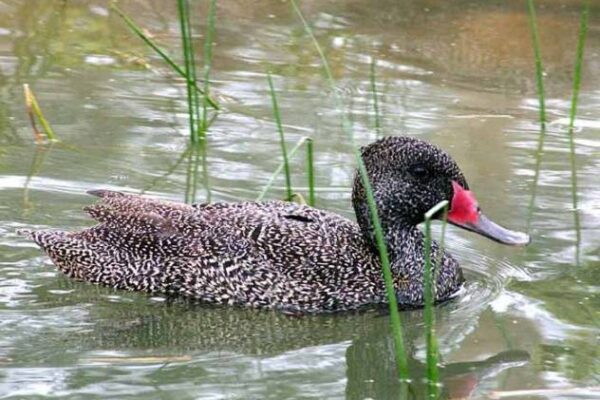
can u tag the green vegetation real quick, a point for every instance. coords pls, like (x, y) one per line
(286, 164)
(140, 33)
(383, 254)
(429, 279)
(208, 43)
(311, 171)
(539, 79)
(572, 113)
(281, 167)
(375, 100)
(190, 71)
(34, 111)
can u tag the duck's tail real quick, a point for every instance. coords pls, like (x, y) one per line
(70, 254)
(135, 244)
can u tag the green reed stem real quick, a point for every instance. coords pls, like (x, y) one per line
(280, 168)
(539, 79)
(572, 114)
(190, 69)
(286, 163)
(379, 237)
(140, 33)
(429, 279)
(191, 178)
(375, 99)
(311, 172)
(208, 43)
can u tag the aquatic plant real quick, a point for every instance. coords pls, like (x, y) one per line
(539, 79)
(208, 43)
(34, 111)
(190, 70)
(303, 141)
(572, 114)
(381, 246)
(429, 279)
(310, 171)
(286, 164)
(375, 100)
(158, 50)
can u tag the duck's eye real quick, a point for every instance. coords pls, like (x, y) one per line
(419, 171)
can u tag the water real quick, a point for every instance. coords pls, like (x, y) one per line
(459, 74)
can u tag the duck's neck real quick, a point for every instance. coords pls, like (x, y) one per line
(405, 245)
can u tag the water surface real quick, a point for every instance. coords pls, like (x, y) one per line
(459, 74)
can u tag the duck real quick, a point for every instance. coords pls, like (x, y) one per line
(281, 255)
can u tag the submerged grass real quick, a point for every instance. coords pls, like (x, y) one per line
(572, 114)
(286, 164)
(381, 245)
(140, 33)
(539, 79)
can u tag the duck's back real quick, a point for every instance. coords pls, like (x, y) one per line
(271, 254)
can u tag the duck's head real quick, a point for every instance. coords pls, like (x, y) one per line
(409, 176)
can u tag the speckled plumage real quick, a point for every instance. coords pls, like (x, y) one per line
(279, 255)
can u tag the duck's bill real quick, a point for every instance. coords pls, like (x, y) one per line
(488, 228)
(464, 212)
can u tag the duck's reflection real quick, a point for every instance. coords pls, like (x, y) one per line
(174, 330)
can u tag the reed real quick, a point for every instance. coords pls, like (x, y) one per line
(310, 172)
(190, 70)
(208, 43)
(539, 79)
(191, 176)
(375, 99)
(572, 114)
(286, 163)
(429, 279)
(383, 254)
(34, 111)
(280, 168)
(138, 31)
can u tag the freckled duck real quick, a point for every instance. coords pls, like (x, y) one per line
(280, 255)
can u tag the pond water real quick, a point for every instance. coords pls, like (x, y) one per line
(459, 74)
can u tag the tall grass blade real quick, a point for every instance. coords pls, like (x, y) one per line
(190, 70)
(429, 279)
(140, 33)
(208, 42)
(572, 114)
(280, 168)
(539, 79)
(34, 111)
(286, 164)
(311, 172)
(375, 99)
(191, 181)
(383, 254)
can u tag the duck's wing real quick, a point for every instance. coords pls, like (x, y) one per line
(271, 254)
